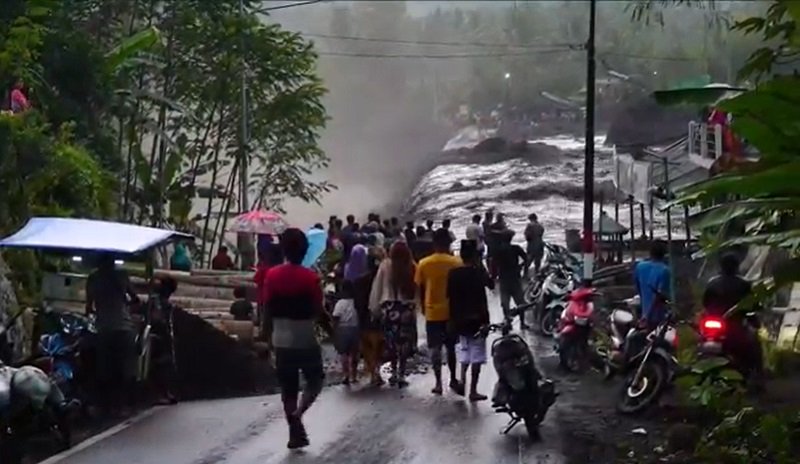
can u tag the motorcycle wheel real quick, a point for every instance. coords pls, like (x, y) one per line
(532, 422)
(634, 399)
(533, 292)
(548, 323)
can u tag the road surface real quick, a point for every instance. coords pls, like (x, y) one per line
(358, 424)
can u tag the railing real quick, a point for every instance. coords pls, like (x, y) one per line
(705, 143)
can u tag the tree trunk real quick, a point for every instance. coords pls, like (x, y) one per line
(226, 204)
(214, 171)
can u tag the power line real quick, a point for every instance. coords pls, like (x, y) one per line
(289, 5)
(446, 56)
(650, 57)
(431, 42)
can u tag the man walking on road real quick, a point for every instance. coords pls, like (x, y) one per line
(469, 311)
(294, 301)
(431, 277)
(534, 233)
(510, 264)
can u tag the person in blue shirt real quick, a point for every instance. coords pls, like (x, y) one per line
(650, 275)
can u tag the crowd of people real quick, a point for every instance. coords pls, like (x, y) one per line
(386, 274)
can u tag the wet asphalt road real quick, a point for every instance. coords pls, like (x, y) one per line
(358, 424)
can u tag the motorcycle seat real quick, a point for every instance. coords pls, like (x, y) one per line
(622, 317)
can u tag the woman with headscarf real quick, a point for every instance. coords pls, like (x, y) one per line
(361, 273)
(393, 298)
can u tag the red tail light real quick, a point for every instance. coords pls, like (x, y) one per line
(711, 327)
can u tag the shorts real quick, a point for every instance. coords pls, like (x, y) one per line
(290, 362)
(471, 350)
(439, 335)
(346, 339)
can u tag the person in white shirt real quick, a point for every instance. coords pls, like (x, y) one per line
(346, 332)
(475, 233)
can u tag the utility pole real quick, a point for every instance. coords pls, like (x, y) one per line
(243, 178)
(244, 242)
(588, 173)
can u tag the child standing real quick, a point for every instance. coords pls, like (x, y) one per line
(346, 332)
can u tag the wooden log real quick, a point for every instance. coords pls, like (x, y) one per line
(213, 272)
(226, 281)
(189, 290)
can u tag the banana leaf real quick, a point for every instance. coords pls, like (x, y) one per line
(777, 181)
(131, 46)
(719, 215)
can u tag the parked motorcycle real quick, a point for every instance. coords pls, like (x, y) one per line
(558, 261)
(556, 289)
(68, 354)
(645, 357)
(715, 334)
(521, 391)
(575, 329)
(30, 403)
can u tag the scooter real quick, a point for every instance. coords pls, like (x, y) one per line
(557, 288)
(645, 357)
(575, 329)
(521, 391)
(29, 403)
(67, 355)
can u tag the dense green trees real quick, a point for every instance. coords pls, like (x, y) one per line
(143, 100)
(764, 195)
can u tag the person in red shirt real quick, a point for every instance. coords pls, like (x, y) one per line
(294, 302)
(268, 257)
(222, 261)
(19, 102)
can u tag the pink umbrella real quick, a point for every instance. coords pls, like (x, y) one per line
(259, 222)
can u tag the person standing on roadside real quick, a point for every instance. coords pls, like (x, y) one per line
(469, 311)
(394, 299)
(346, 332)
(429, 227)
(476, 234)
(108, 295)
(488, 220)
(510, 264)
(446, 226)
(361, 271)
(294, 302)
(410, 234)
(431, 277)
(348, 228)
(651, 276)
(534, 236)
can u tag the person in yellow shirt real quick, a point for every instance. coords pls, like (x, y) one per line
(431, 278)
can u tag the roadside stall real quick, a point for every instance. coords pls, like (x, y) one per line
(80, 240)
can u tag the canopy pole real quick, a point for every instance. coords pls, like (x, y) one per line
(686, 224)
(668, 194)
(633, 229)
(642, 218)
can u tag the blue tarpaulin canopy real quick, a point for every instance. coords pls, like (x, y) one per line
(89, 235)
